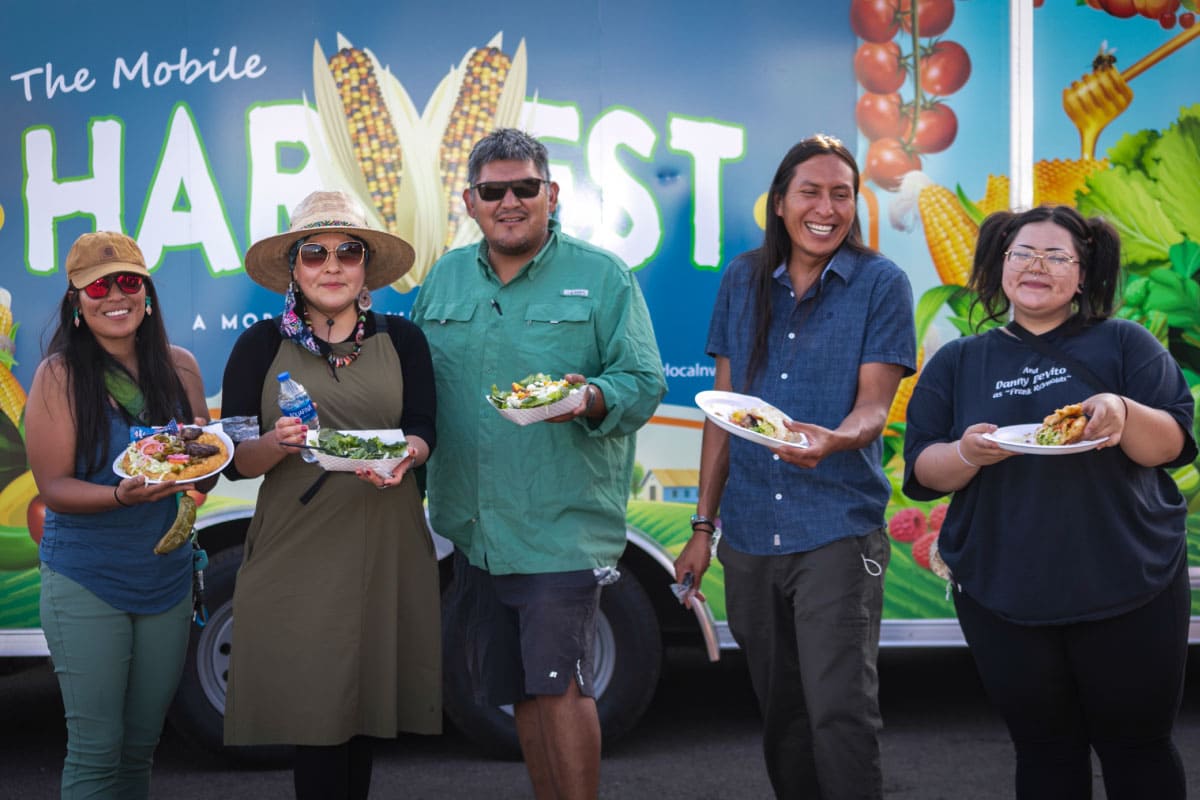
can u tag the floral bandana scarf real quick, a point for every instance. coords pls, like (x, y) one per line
(291, 324)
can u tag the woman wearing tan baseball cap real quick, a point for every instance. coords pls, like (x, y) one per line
(115, 613)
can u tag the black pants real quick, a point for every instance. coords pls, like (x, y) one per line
(334, 772)
(809, 625)
(1113, 685)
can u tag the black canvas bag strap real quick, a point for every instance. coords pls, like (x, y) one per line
(1050, 351)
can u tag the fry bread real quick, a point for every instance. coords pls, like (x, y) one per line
(1064, 426)
(133, 463)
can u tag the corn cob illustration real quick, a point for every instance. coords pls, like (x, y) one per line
(995, 197)
(473, 117)
(372, 133)
(409, 169)
(484, 92)
(898, 411)
(375, 153)
(949, 233)
(12, 395)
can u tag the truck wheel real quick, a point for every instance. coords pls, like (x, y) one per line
(628, 658)
(198, 711)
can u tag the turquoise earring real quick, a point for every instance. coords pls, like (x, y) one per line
(149, 307)
(75, 317)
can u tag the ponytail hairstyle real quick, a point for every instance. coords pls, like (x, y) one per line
(1097, 246)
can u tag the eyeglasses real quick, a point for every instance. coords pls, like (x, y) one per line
(1055, 264)
(523, 189)
(349, 254)
(126, 281)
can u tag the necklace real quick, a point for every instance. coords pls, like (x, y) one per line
(337, 362)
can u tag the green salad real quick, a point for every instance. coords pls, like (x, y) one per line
(532, 391)
(349, 446)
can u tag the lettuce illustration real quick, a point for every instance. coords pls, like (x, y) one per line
(1151, 194)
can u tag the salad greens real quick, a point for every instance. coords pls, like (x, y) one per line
(532, 391)
(349, 446)
(1152, 197)
(1150, 193)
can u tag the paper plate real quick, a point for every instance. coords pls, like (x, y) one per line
(214, 428)
(1019, 439)
(717, 406)
(382, 466)
(525, 416)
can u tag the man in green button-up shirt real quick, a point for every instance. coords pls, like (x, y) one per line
(536, 509)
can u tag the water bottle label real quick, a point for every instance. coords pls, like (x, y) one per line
(302, 409)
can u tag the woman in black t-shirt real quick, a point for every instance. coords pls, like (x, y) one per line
(1070, 573)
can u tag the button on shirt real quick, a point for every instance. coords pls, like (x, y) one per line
(860, 311)
(545, 497)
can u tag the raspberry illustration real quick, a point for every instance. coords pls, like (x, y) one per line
(922, 548)
(907, 525)
(937, 515)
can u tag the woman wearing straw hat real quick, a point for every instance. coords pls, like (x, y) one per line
(115, 612)
(337, 633)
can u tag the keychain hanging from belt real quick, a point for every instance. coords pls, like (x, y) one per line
(199, 564)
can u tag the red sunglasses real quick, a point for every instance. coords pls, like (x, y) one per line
(126, 281)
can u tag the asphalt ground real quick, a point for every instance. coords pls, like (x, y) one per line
(698, 740)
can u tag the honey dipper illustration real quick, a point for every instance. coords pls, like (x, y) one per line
(1098, 98)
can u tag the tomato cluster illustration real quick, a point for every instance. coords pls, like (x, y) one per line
(1165, 11)
(901, 45)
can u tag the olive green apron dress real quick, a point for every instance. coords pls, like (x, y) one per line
(336, 611)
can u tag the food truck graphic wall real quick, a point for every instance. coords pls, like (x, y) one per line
(196, 129)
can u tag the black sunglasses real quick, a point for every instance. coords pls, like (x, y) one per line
(126, 281)
(349, 254)
(523, 189)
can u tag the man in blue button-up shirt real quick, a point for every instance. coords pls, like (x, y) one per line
(821, 327)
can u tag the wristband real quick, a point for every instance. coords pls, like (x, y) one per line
(958, 449)
(1122, 399)
(591, 399)
(117, 497)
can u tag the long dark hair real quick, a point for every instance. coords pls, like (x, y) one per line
(86, 362)
(777, 243)
(1097, 245)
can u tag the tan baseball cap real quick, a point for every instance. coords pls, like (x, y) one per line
(95, 255)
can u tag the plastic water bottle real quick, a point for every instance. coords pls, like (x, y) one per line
(295, 402)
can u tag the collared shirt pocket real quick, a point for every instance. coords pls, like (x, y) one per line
(448, 328)
(565, 329)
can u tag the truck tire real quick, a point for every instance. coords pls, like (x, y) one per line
(198, 711)
(628, 660)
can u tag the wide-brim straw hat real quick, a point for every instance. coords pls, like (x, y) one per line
(388, 256)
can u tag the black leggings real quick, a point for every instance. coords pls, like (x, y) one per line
(1114, 685)
(333, 772)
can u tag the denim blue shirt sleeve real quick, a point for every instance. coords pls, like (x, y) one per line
(859, 312)
(546, 497)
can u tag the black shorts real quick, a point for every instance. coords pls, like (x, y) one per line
(526, 635)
